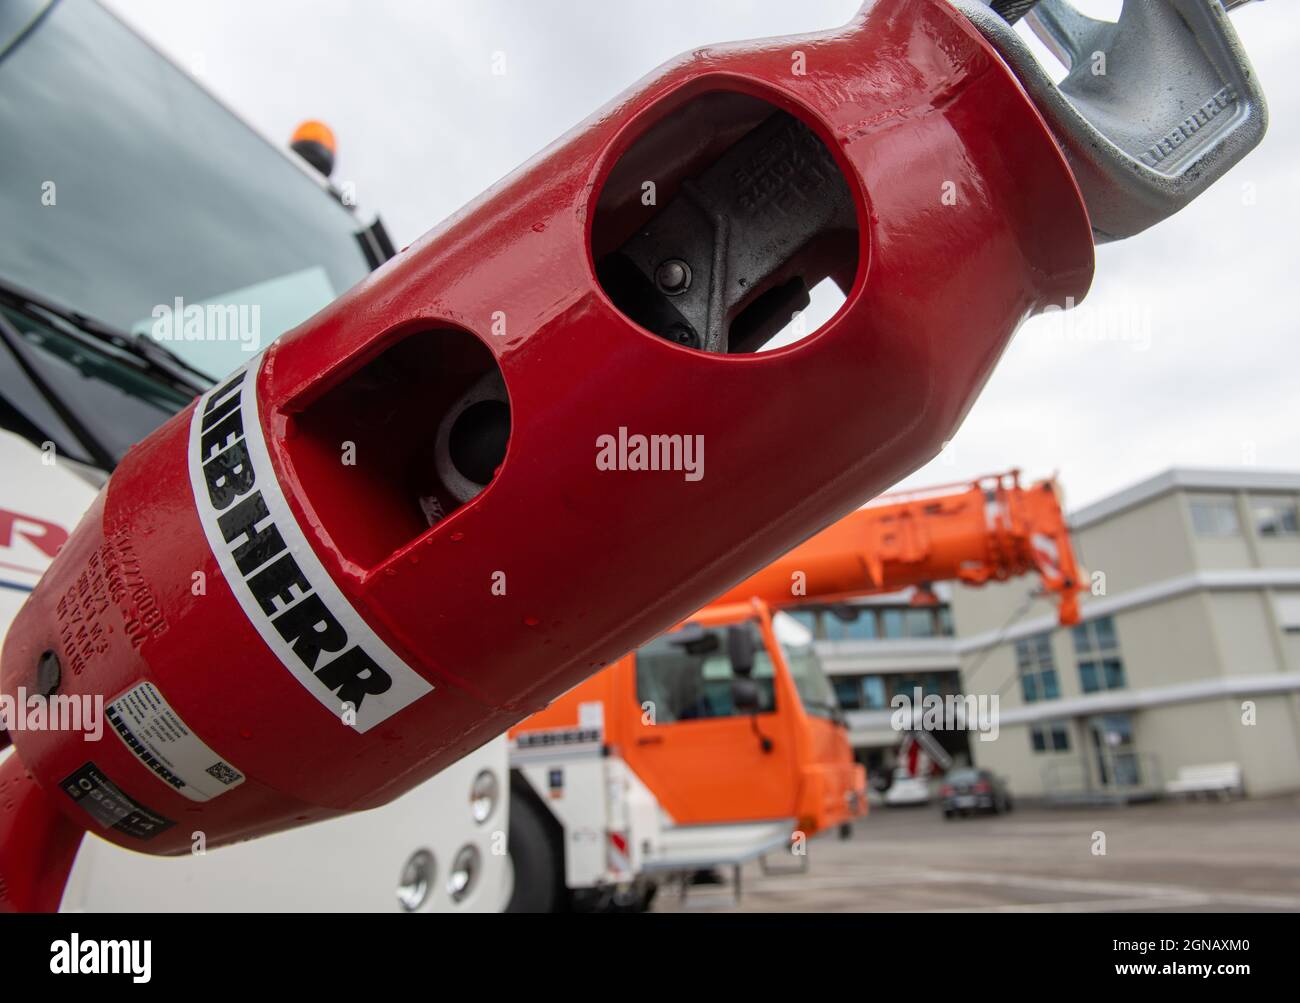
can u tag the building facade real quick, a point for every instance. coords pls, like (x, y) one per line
(1187, 656)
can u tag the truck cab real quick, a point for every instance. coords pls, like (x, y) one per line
(779, 750)
(717, 742)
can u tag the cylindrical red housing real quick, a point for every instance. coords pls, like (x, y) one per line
(226, 662)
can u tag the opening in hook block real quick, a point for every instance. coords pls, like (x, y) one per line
(714, 225)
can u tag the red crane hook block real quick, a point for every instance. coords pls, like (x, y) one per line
(543, 433)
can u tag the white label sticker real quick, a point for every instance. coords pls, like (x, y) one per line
(142, 719)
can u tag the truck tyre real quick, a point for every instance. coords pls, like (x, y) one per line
(538, 885)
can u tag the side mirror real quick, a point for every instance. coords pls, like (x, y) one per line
(745, 696)
(741, 649)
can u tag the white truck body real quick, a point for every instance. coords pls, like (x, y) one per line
(617, 837)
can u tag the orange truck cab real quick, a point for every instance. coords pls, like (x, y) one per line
(716, 742)
(681, 690)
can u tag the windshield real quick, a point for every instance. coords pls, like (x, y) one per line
(131, 195)
(810, 679)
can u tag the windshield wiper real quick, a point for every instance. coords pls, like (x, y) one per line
(159, 360)
(98, 452)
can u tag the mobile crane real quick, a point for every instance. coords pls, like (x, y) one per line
(989, 529)
(365, 625)
(721, 740)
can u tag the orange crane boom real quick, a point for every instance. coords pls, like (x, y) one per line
(989, 529)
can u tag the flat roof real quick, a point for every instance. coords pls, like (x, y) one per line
(1186, 479)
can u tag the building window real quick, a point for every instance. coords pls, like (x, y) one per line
(847, 622)
(1050, 736)
(860, 692)
(1097, 649)
(850, 623)
(1215, 517)
(897, 622)
(905, 685)
(1275, 517)
(848, 691)
(1037, 668)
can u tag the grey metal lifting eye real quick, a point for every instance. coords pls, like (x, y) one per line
(1170, 107)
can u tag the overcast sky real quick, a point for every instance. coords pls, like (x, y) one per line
(1201, 366)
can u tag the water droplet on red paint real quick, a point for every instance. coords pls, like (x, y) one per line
(531, 621)
(539, 228)
(456, 537)
(245, 733)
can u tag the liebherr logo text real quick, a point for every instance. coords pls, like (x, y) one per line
(325, 644)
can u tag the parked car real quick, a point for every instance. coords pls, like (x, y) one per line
(968, 792)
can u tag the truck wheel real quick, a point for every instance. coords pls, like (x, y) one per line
(537, 884)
